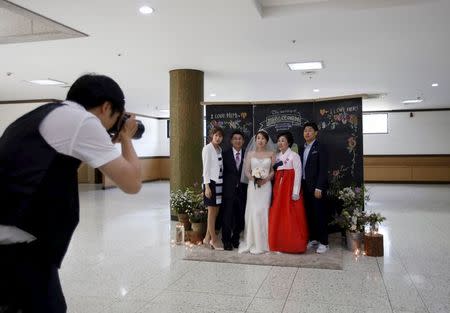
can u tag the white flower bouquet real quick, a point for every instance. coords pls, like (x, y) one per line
(258, 174)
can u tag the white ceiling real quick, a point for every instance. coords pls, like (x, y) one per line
(393, 47)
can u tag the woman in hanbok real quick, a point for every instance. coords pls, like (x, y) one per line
(288, 231)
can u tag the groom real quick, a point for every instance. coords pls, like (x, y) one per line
(234, 192)
(314, 158)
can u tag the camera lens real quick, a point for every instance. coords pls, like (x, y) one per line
(119, 124)
(140, 130)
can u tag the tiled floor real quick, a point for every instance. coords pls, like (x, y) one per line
(121, 261)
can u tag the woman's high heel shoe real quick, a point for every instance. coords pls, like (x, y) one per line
(206, 242)
(215, 247)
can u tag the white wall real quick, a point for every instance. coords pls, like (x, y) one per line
(154, 142)
(10, 112)
(425, 133)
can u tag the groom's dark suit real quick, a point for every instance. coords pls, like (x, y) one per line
(316, 177)
(234, 194)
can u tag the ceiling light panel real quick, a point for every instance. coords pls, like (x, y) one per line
(305, 66)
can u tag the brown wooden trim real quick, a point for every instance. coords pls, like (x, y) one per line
(407, 168)
(30, 101)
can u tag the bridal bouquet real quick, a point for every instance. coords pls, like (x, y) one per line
(258, 174)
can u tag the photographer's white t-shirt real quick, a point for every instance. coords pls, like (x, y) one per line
(73, 131)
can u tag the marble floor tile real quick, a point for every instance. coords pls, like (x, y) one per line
(317, 307)
(121, 259)
(204, 300)
(278, 283)
(88, 304)
(403, 294)
(260, 305)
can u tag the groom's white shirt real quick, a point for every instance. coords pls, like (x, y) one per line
(291, 160)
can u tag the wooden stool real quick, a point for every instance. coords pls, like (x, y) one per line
(373, 244)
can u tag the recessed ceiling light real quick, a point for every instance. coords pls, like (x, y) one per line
(434, 84)
(316, 90)
(305, 66)
(146, 10)
(212, 95)
(164, 111)
(418, 100)
(47, 82)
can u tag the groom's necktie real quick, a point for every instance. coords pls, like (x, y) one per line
(238, 160)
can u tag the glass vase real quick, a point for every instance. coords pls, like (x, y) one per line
(354, 240)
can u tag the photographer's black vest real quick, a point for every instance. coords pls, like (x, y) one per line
(38, 185)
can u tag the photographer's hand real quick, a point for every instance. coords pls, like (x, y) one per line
(125, 171)
(128, 130)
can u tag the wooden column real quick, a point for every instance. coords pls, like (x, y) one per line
(186, 128)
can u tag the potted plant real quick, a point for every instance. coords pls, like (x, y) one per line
(198, 217)
(182, 201)
(353, 218)
(373, 241)
(374, 220)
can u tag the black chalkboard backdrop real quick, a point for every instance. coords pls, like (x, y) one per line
(340, 128)
(230, 118)
(276, 118)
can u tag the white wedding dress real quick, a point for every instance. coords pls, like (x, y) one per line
(257, 212)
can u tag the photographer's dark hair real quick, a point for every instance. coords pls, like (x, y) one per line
(215, 129)
(311, 124)
(288, 136)
(264, 133)
(92, 90)
(237, 132)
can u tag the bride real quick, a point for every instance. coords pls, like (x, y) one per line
(257, 172)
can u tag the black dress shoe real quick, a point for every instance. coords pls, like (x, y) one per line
(227, 246)
(236, 244)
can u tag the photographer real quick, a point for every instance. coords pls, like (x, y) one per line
(39, 157)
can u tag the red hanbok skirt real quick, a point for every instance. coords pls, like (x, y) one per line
(288, 230)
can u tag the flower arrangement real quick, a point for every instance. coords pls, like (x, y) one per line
(353, 217)
(374, 219)
(352, 220)
(197, 212)
(259, 174)
(182, 201)
(354, 197)
(198, 215)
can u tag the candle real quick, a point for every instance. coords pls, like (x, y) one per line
(179, 234)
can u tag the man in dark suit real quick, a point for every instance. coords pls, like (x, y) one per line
(315, 182)
(234, 192)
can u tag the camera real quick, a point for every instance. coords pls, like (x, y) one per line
(117, 127)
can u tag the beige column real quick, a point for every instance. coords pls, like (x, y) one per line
(186, 127)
